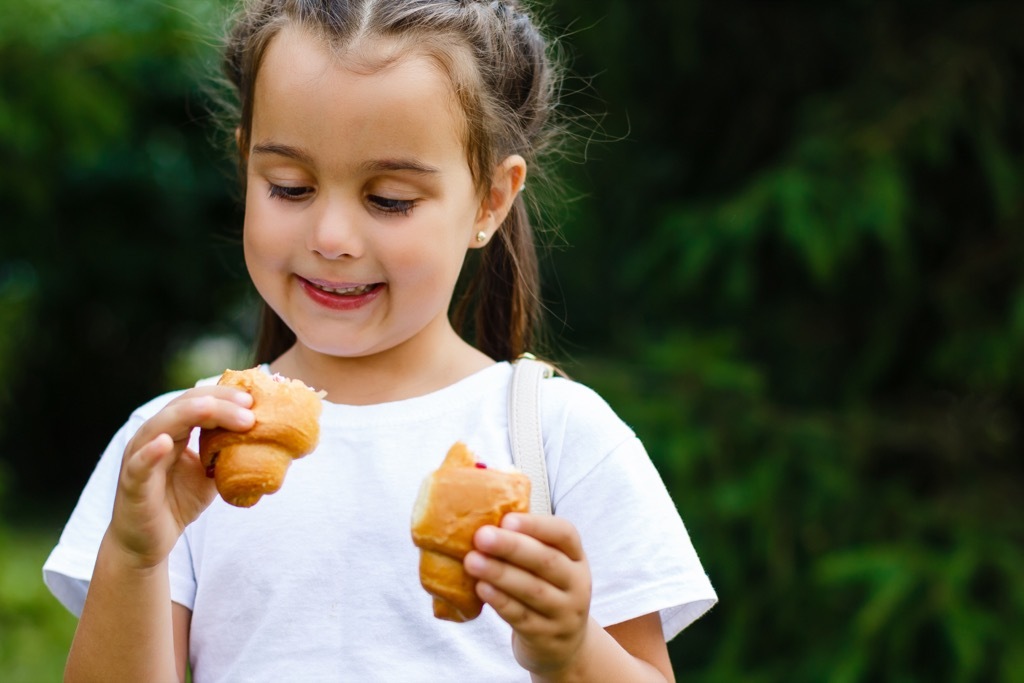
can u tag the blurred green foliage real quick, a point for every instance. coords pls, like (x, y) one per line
(118, 216)
(35, 630)
(809, 246)
(794, 265)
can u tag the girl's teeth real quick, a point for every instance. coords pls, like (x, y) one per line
(361, 289)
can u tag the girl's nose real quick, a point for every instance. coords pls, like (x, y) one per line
(335, 233)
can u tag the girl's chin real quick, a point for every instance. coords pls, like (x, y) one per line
(322, 342)
(336, 348)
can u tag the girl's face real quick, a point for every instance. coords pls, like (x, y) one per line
(360, 205)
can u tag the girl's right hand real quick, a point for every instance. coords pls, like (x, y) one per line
(163, 486)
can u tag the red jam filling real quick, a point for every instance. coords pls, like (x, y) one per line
(480, 466)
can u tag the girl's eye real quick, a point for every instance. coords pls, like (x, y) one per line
(397, 206)
(289, 193)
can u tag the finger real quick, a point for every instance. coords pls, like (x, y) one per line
(514, 613)
(195, 484)
(210, 412)
(206, 410)
(191, 469)
(512, 584)
(556, 532)
(533, 555)
(233, 394)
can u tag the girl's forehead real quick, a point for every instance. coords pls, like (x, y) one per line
(305, 89)
(309, 56)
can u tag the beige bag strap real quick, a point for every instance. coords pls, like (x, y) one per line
(524, 428)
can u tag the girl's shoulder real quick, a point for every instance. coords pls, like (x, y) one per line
(567, 392)
(579, 418)
(562, 400)
(574, 397)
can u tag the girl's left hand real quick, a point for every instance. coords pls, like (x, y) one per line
(533, 572)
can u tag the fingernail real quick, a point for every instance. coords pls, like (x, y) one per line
(486, 537)
(474, 562)
(246, 417)
(510, 522)
(242, 398)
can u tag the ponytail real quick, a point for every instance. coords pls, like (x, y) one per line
(273, 337)
(500, 306)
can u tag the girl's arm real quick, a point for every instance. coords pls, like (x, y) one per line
(644, 639)
(181, 617)
(533, 572)
(126, 630)
(129, 629)
(634, 650)
(123, 631)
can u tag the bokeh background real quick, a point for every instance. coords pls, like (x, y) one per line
(788, 252)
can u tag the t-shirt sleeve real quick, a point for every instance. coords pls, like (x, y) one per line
(640, 554)
(181, 572)
(68, 568)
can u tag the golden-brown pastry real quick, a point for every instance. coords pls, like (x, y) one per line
(454, 501)
(249, 465)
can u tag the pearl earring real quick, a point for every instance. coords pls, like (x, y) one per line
(481, 237)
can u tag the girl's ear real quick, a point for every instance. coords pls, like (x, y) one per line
(509, 179)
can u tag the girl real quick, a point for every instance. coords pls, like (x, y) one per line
(380, 140)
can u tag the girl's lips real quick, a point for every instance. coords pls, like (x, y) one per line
(341, 296)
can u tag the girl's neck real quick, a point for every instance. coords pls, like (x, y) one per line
(393, 375)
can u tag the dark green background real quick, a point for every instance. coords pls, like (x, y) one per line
(788, 250)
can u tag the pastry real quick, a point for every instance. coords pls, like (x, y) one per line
(249, 465)
(454, 501)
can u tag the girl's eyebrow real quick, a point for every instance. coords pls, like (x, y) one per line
(375, 166)
(280, 150)
(410, 165)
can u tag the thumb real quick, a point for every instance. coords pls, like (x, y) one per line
(192, 471)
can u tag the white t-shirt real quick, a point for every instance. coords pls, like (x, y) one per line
(319, 582)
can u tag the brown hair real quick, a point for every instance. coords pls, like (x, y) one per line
(505, 82)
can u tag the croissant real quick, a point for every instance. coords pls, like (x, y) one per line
(249, 465)
(454, 501)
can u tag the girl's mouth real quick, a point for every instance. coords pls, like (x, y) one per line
(340, 296)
